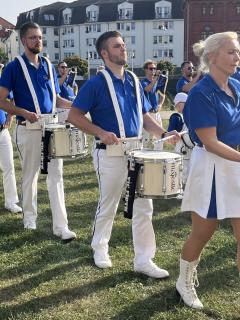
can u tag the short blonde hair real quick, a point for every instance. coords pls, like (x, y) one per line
(212, 44)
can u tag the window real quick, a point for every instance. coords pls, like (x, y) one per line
(238, 8)
(56, 44)
(125, 14)
(92, 13)
(163, 11)
(56, 56)
(93, 28)
(204, 10)
(55, 31)
(44, 30)
(44, 43)
(211, 9)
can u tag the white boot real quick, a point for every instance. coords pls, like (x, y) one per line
(186, 284)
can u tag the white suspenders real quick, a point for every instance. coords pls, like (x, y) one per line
(31, 88)
(116, 104)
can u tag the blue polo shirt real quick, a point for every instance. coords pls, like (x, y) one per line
(67, 88)
(209, 106)
(181, 82)
(2, 117)
(152, 95)
(13, 79)
(94, 97)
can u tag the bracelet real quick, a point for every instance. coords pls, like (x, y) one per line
(163, 135)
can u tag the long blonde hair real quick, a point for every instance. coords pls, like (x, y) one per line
(212, 44)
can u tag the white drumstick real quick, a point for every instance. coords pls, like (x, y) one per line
(129, 139)
(169, 137)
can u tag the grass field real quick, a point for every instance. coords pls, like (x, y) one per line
(41, 278)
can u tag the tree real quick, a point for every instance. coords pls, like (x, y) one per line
(81, 64)
(3, 57)
(166, 65)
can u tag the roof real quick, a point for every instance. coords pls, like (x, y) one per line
(108, 11)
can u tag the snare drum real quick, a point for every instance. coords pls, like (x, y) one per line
(65, 141)
(160, 174)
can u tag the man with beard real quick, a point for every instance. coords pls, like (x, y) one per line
(188, 79)
(118, 108)
(34, 84)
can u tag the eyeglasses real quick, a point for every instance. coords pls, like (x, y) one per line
(35, 38)
(151, 69)
(63, 67)
(190, 68)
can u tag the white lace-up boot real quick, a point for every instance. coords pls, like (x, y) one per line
(187, 282)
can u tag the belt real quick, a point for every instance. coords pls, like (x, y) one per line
(21, 122)
(101, 146)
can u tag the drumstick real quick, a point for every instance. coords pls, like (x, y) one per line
(129, 139)
(169, 137)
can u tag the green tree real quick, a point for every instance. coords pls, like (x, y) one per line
(81, 64)
(166, 65)
(3, 57)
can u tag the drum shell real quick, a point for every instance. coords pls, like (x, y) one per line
(159, 177)
(66, 142)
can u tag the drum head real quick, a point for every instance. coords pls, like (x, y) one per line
(154, 154)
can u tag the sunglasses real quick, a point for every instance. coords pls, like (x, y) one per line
(151, 69)
(63, 67)
(190, 68)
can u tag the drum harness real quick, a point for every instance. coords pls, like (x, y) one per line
(127, 145)
(46, 135)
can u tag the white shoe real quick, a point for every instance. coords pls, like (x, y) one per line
(187, 282)
(152, 270)
(188, 294)
(14, 208)
(102, 260)
(66, 235)
(30, 225)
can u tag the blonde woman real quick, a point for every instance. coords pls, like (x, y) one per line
(212, 114)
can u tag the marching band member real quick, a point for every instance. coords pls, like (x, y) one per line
(117, 107)
(212, 114)
(7, 164)
(185, 145)
(33, 81)
(154, 85)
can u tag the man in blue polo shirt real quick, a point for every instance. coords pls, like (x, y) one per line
(7, 164)
(188, 79)
(28, 140)
(154, 85)
(94, 97)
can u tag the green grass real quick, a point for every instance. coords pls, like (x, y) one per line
(41, 278)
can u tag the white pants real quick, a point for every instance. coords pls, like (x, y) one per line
(29, 147)
(148, 139)
(7, 167)
(112, 174)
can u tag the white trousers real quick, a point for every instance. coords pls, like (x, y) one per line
(7, 167)
(112, 175)
(148, 139)
(29, 147)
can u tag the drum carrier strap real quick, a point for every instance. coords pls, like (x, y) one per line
(46, 137)
(129, 197)
(116, 106)
(132, 169)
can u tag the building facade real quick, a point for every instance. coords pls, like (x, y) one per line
(151, 29)
(203, 18)
(8, 39)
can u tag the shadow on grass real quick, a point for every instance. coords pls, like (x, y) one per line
(63, 296)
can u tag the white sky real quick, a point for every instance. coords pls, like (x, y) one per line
(10, 9)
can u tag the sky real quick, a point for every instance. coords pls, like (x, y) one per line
(12, 8)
